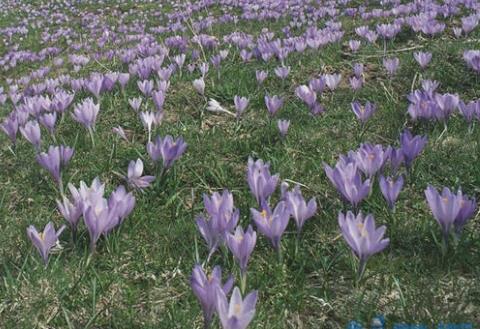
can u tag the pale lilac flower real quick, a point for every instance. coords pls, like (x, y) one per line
(391, 189)
(272, 224)
(205, 289)
(241, 104)
(362, 236)
(46, 240)
(134, 175)
(239, 313)
(31, 132)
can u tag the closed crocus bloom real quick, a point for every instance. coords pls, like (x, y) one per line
(148, 119)
(199, 85)
(391, 189)
(134, 175)
(422, 58)
(282, 72)
(46, 240)
(10, 127)
(123, 79)
(66, 153)
(445, 208)
(362, 236)
(299, 208)
(370, 158)
(261, 76)
(468, 207)
(283, 127)
(241, 104)
(411, 146)
(356, 83)
(86, 113)
(135, 103)
(241, 244)
(306, 94)
(238, 313)
(221, 220)
(273, 104)
(97, 218)
(363, 112)
(31, 132)
(71, 211)
(262, 184)
(51, 161)
(167, 148)
(332, 80)
(121, 204)
(391, 65)
(272, 224)
(48, 120)
(205, 289)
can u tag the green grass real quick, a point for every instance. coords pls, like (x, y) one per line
(139, 277)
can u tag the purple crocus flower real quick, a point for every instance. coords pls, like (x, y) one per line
(332, 80)
(470, 110)
(48, 120)
(241, 104)
(241, 244)
(362, 236)
(158, 97)
(135, 103)
(348, 181)
(222, 219)
(445, 208)
(71, 210)
(306, 94)
(134, 175)
(97, 218)
(51, 161)
(123, 79)
(273, 104)
(300, 210)
(391, 65)
(422, 58)
(94, 84)
(447, 103)
(262, 184)
(468, 207)
(391, 189)
(282, 72)
(31, 132)
(167, 148)
(239, 313)
(121, 204)
(205, 289)
(472, 58)
(46, 240)
(370, 158)
(272, 224)
(283, 127)
(10, 127)
(354, 45)
(411, 146)
(261, 76)
(145, 87)
(356, 83)
(363, 113)
(86, 113)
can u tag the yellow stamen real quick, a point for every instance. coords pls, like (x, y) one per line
(237, 309)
